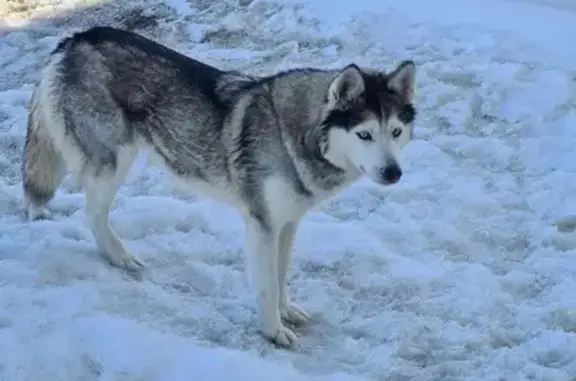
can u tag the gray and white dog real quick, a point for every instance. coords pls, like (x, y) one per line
(272, 146)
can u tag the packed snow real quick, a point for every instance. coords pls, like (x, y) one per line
(456, 273)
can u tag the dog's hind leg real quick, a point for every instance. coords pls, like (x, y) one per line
(99, 144)
(100, 188)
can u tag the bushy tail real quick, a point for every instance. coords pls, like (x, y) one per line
(566, 223)
(42, 167)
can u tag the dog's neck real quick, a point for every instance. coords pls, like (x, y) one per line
(318, 169)
(304, 133)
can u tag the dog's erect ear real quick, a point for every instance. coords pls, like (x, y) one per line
(348, 85)
(403, 79)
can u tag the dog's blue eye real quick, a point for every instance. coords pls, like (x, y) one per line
(364, 135)
(396, 132)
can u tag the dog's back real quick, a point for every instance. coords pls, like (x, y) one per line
(138, 71)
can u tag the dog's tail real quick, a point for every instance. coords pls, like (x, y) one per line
(42, 166)
(566, 223)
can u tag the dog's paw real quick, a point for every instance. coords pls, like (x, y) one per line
(282, 337)
(132, 263)
(127, 262)
(294, 314)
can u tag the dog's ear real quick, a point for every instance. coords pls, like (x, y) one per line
(403, 79)
(347, 86)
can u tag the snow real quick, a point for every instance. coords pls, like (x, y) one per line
(456, 273)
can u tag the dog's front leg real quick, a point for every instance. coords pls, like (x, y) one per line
(289, 311)
(262, 253)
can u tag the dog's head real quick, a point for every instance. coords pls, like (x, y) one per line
(368, 119)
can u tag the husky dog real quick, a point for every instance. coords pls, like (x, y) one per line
(272, 146)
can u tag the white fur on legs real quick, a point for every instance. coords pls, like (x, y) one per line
(100, 192)
(98, 201)
(262, 253)
(290, 312)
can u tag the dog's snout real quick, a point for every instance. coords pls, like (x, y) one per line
(391, 173)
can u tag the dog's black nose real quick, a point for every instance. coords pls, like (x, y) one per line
(391, 173)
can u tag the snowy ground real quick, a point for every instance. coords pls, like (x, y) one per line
(456, 273)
